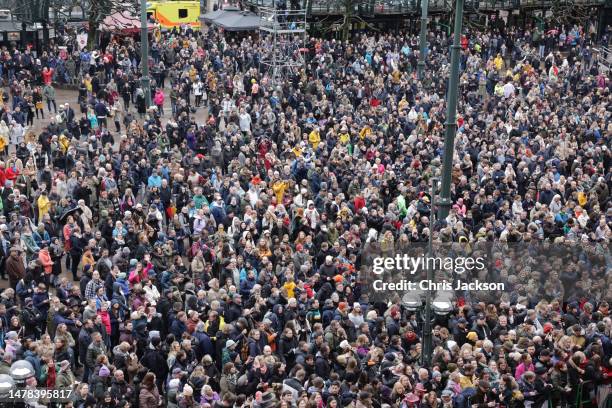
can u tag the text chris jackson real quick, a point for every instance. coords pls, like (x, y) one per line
(426, 285)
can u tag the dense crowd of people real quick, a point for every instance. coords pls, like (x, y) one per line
(152, 259)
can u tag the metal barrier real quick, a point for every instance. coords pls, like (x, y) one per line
(605, 58)
(579, 403)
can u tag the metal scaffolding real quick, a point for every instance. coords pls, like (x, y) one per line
(284, 32)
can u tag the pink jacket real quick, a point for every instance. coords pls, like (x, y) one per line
(159, 98)
(522, 368)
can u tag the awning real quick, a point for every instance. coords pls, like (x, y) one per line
(238, 21)
(123, 22)
(213, 15)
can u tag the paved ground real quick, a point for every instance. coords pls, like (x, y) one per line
(70, 96)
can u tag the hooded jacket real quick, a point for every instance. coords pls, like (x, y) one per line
(45, 260)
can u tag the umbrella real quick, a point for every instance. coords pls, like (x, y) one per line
(68, 212)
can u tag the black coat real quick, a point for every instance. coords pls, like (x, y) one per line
(232, 312)
(322, 368)
(84, 340)
(285, 349)
(481, 398)
(155, 361)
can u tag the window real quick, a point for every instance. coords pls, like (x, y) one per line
(182, 13)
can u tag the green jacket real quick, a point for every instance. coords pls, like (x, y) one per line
(200, 201)
(401, 205)
(49, 92)
(44, 372)
(4, 367)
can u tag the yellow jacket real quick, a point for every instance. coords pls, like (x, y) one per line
(466, 382)
(290, 286)
(87, 259)
(499, 62)
(365, 132)
(43, 206)
(221, 324)
(314, 138)
(279, 188)
(499, 89)
(345, 138)
(297, 151)
(64, 143)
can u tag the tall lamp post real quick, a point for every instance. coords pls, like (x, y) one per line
(144, 52)
(423, 39)
(451, 115)
(427, 340)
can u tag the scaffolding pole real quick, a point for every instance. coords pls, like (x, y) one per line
(286, 30)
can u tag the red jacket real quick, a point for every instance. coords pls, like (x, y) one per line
(46, 76)
(359, 203)
(11, 173)
(105, 320)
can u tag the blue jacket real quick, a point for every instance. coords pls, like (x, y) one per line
(59, 319)
(204, 345)
(33, 359)
(101, 109)
(218, 212)
(178, 328)
(38, 301)
(24, 291)
(125, 288)
(40, 238)
(246, 286)
(154, 181)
